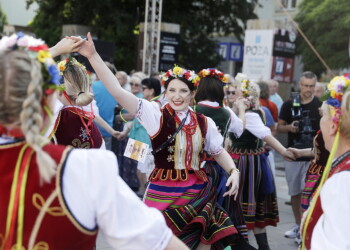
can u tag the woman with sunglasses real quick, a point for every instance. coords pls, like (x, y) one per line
(230, 95)
(184, 192)
(135, 83)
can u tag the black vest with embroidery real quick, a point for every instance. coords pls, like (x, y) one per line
(184, 153)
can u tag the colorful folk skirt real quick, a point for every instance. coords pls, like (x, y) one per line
(313, 177)
(191, 211)
(257, 192)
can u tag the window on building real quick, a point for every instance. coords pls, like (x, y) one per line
(288, 4)
(285, 3)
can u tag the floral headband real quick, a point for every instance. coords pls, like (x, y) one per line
(62, 65)
(334, 95)
(214, 73)
(37, 49)
(243, 80)
(177, 72)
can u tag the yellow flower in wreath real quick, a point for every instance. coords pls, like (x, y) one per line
(43, 55)
(177, 70)
(61, 66)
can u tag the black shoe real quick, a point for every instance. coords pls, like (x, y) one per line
(289, 203)
(261, 239)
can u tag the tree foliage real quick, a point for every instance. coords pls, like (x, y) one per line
(326, 23)
(3, 19)
(115, 20)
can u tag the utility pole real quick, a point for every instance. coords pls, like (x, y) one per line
(151, 39)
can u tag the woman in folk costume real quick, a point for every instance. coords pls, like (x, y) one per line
(45, 200)
(74, 126)
(209, 98)
(257, 192)
(185, 193)
(326, 222)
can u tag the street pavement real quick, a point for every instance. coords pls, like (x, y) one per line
(275, 235)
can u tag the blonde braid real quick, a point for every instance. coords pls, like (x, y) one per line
(22, 103)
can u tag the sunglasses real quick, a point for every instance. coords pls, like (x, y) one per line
(230, 92)
(135, 84)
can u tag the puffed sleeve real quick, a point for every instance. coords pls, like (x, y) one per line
(213, 139)
(149, 115)
(254, 124)
(236, 125)
(97, 196)
(332, 229)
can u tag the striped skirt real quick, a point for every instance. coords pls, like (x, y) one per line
(257, 192)
(191, 211)
(313, 177)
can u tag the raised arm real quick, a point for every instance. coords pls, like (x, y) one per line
(125, 98)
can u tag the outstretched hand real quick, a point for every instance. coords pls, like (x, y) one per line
(233, 181)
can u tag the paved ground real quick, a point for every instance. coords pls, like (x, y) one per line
(276, 237)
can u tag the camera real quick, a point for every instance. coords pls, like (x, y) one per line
(296, 106)
(306, 133)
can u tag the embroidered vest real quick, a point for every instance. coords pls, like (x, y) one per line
(317, 212)
(183, 154)
(58, 229)
(220, 116)
(247, 143)
(69, 130)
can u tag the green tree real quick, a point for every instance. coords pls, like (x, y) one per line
(112, 20)
(3, 19)
(326, 23)
(115, 20)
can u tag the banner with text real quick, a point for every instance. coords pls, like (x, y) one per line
(257, 59)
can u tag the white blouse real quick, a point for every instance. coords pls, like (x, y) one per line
(149, 116)
(255, 125)
(97, 196)
(331, 231)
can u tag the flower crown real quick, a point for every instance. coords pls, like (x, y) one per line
(177, 72)
(37, 49)
(243, 81)
(334, 94)
(62, 65)
(214, 73)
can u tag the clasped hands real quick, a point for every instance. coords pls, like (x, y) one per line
(71, 44)
(291, 154)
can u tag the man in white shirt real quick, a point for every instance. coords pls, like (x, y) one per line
(274, 96)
